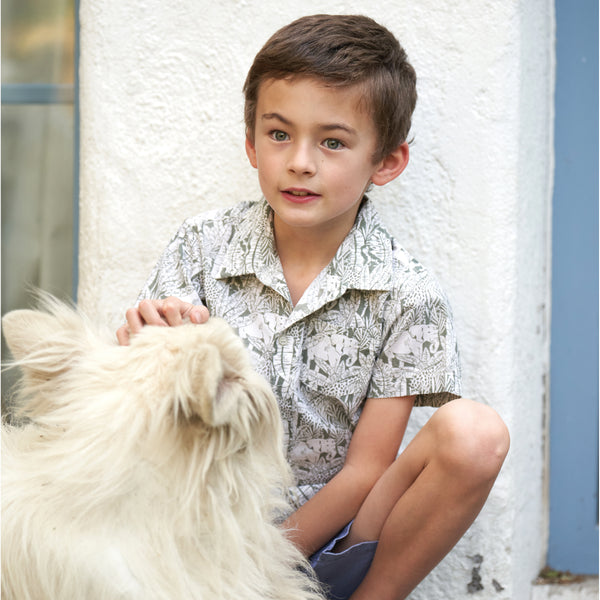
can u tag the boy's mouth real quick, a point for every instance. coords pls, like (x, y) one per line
(299, 194)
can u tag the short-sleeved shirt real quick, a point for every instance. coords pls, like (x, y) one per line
(374, 323)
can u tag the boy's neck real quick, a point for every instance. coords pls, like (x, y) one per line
(304, 254)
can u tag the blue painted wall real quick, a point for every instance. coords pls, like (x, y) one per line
(573, 543)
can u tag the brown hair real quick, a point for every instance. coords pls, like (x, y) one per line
(342, 50)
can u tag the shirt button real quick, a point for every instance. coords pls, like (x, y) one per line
(283, 340)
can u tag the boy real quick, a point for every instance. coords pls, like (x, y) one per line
(349, 329)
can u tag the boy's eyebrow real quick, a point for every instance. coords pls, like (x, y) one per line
(274, 115)
(324, 127)
(333, 126)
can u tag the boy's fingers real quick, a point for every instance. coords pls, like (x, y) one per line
(198, 314)
(134, 322)
(176, 311)
(123, 335)
(148, 312)
(173, 311)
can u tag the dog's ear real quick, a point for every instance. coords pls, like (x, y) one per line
(25, 330)
(43, 344)
(211, 394)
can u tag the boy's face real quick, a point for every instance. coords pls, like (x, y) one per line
(313, 148)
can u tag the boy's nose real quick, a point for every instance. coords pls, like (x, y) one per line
(302, 160)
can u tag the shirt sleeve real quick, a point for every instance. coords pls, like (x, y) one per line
(178, 271)
(419, 355)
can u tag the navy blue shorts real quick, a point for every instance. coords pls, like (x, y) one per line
(342, 572)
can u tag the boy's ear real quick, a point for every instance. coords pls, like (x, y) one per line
(391, 166)
(251, 152)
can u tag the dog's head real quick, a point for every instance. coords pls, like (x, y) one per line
(205, 369)
(196, 375)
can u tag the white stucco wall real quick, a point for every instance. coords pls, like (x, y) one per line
(162, 138)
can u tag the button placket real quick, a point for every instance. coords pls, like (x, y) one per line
(285, 346)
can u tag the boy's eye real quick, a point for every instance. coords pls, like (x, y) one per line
(333, 144)
(279, 136)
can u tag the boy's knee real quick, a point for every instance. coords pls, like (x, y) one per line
(472, 437)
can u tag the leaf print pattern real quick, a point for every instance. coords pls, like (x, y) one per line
(374, 323)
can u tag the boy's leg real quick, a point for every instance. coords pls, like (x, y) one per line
(429, 497)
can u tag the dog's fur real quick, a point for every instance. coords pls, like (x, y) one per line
(152, 471)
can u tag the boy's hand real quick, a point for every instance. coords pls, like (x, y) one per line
(168, 312)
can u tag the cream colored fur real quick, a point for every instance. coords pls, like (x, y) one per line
(145, 472)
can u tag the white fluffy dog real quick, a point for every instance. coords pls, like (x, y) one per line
(143, 472)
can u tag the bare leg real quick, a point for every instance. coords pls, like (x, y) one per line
(429, 496)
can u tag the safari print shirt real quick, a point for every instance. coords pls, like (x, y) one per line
(374, 323)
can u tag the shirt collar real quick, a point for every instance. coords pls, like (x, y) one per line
(363, 260)
(251, 250)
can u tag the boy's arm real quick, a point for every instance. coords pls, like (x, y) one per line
(373, 448)
(172, 293)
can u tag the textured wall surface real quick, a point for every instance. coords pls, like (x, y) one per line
(162, 139)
